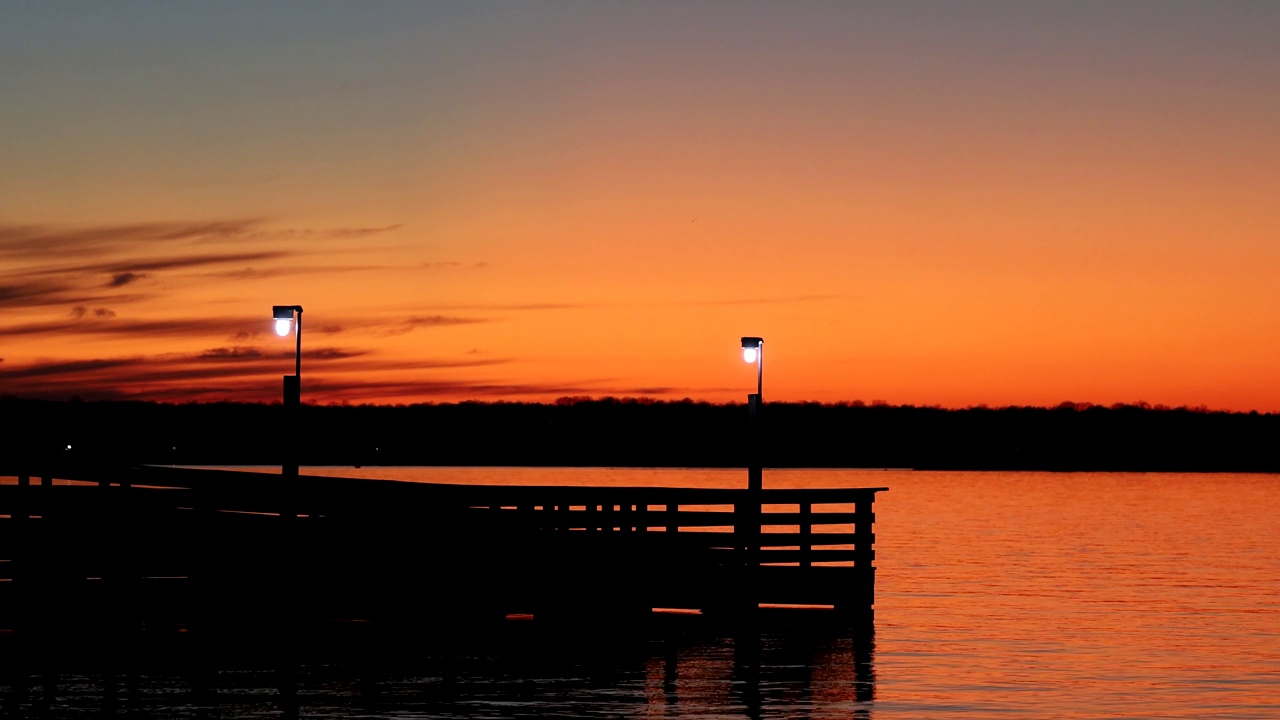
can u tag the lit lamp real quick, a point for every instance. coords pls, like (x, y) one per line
(753, 352)
(284, 316)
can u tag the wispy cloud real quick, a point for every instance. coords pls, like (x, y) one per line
(753, 301)
(243, 373)
(45, 241)
(420, 321)
(62, 368)
(510, 307)
(129, 269)
(336, 233)
(36, 294)
(231, 353)
(241, 353)
(124, 278)
(539, 306)
(263, 273)
(80, 311)
(49, 293)
(59, 265)
(454, 265)
(82, 323)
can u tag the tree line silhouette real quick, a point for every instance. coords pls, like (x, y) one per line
(579, 431)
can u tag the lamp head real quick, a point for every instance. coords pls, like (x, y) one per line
(751, 347)
(283, 315)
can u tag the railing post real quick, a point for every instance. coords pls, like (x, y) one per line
(862, 597)
(746, 528)
(806, 534)
(22, 509)
(673, 511)
(24, 562)
(203, 585)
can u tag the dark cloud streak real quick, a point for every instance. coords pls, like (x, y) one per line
(124, 278)
(48, 293)
(177, 327)
(241, 373)
(43, 241)
(132, 269)
(69, 367)
(416, 322)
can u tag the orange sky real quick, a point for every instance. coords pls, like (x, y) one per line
(933, 203)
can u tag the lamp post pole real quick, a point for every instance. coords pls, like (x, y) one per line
(753, 351)
(285, 316)
(747, 512)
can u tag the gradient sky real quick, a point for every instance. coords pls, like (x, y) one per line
(948, 203)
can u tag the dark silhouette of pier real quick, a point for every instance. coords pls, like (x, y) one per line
(116, 568)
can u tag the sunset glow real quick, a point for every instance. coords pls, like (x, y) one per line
(931, 203)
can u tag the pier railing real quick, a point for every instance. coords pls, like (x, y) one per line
(786, 546)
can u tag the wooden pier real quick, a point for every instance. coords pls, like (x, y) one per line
(131, 551)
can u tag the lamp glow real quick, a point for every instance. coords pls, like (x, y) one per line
(749, 354)
(282, 326)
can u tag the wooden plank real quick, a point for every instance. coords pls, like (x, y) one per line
(814, 556)
(363, 495)
(771, 539)
(707, 518)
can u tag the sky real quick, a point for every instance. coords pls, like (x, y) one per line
(930, 203)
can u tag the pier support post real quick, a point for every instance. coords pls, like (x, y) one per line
(747, 529)
(755, 468)
(860, 599)
(292, 408)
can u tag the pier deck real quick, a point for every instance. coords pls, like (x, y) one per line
(156, 547)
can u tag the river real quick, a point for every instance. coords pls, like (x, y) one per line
(999, 595)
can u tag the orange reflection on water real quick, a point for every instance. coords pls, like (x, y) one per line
(998, 595)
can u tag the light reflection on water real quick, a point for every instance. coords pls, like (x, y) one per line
(1036, 595)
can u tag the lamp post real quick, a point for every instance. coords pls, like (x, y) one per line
(284, 317)
(753, 352)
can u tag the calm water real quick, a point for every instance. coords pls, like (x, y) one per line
(999, 595)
